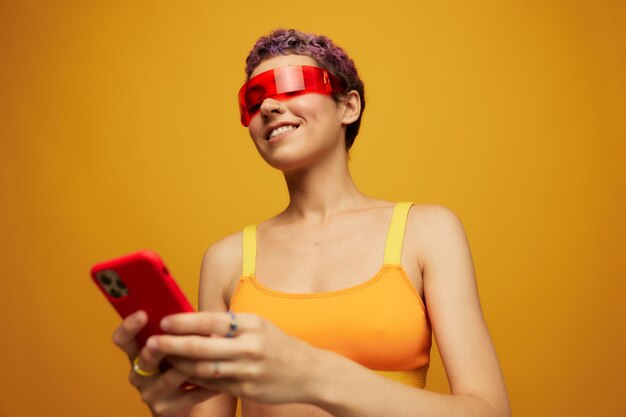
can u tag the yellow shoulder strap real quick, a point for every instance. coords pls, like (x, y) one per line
(395, 235)
(249, 250)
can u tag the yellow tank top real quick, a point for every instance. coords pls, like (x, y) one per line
(380, 323)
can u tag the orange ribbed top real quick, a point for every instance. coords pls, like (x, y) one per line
(380, 323)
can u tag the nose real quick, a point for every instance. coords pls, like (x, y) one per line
(270, 106)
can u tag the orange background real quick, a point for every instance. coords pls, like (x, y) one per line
(119, 131)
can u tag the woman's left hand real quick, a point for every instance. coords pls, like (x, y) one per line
(256, 361)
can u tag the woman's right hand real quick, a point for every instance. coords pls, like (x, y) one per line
(162, 392)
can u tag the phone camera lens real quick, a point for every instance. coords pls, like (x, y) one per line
(120, 284)
(105, 280)
(115, 293)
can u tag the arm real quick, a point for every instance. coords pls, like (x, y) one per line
(476, 382)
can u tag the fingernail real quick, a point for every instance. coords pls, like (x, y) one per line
(138, 316)
(152, 343)
(165, 324)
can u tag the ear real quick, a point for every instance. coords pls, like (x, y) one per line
(351, 107)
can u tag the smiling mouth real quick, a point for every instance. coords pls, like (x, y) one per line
(280, 130)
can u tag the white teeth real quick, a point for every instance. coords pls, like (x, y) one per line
(280, 130)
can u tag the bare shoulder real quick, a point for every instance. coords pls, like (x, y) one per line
(221, 268)
(434, 217)
(433, 230)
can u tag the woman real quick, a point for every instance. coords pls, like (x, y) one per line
(293, 325)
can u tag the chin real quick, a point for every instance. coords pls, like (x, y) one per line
(298, 156)
(286, 164)
(290, 161)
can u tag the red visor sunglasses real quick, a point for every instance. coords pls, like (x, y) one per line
(282, 83)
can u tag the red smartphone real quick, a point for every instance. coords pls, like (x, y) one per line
(141, 281)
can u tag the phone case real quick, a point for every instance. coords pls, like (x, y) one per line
(141, 281)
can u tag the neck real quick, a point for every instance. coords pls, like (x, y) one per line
(322, 190)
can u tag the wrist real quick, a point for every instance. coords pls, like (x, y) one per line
(323, 382)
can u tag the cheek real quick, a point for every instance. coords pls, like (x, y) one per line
(312, 106)
(255, 128)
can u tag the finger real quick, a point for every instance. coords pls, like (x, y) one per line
(145, 369)
(166, 392)
(185, 399)
(209, 323)
(231, 386)
(196, 347)
(170, 382)
(149, 358)
(192, 397)
(124, 334)
(214, 369)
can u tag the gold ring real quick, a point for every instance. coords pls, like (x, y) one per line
(140, 371)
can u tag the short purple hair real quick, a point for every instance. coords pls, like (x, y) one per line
(328, 55)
